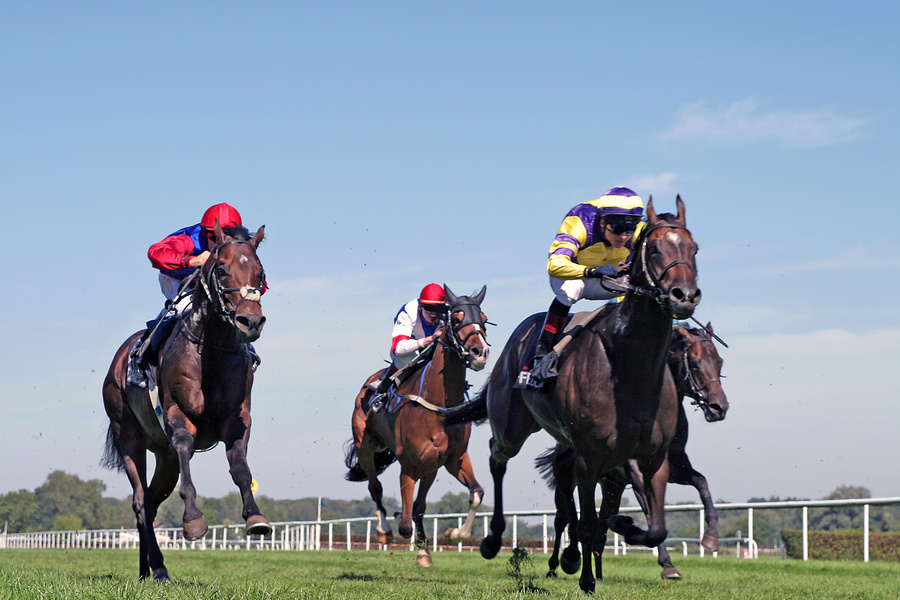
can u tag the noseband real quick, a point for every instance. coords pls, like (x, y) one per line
(471, 316)
(216, 293)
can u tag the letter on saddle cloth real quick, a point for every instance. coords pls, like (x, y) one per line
(545, 369)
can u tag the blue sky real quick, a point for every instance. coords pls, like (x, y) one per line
(386, 145)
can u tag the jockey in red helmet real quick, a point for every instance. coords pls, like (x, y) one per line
(179, 253)
(594, 241)
(176, 256)
(418, 324)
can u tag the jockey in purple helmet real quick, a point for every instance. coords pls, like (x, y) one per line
(594, 240)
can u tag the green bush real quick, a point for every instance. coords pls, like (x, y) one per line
(846, 544)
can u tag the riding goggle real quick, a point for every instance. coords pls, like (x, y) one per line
(435, 309)
(621, 228)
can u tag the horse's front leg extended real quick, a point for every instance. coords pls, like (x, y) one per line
(462, 470)
(423, 559)
(407, 488)
(193, 522)
(587, 526)
(236, 452)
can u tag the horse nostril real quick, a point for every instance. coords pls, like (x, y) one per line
(677, 293)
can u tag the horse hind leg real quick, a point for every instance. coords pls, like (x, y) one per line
(492, 542)
(464, 473)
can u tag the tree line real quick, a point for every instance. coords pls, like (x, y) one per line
(64, 502)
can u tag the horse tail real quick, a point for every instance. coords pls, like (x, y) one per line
(112, 457)
(475, 410)
(544, 465)
(557, 463)
(383, 459)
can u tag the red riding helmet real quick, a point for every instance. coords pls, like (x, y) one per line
(433, 296)
(225, 214)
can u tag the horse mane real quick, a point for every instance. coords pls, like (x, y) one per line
(241, 234)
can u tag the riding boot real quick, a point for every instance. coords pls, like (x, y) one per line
(542, 367)
(136, 373)
(384, 384)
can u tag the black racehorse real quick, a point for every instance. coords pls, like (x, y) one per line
(696, 366)
(614, 399)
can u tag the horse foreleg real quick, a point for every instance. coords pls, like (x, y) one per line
(587, 525)
(236, 453)
(492, 542)
(462, 470)
(662, 554)
(407, 488)
(423, 559)
(656, 519)
(193, 522)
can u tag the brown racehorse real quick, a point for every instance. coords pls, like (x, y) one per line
(204, 377)
(613, 400)
(696, 366)
(409, 428)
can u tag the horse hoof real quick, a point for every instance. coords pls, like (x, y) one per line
(587, 586)
(670, 573)
(489, 548)
(621, 524)
(710, 542)
(423, 559)
(161, 574)
(194, 530)
(570, 562)
(258, 525)
(551, 575)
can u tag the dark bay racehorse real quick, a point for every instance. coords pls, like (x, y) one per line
(204, 379)
(409, 428)
(696, 366)
(614, 400)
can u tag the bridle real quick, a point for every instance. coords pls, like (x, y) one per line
(471, 316)
(654, 287)
(216, 293)
(697, 390)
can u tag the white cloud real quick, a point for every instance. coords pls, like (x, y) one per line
(659, 184)
(744, 121)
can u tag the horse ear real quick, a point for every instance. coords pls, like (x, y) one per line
(651, 212)
(679, 217)
(709, 327)
(451, 297)
(218, 234)
(479, 297)
(260, 234)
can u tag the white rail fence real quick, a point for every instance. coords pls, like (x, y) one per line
(308, 535)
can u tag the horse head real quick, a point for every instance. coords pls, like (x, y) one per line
(698, 370)
(234, 280)
(665, 265)
(466, 328)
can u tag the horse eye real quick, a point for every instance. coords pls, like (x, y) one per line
(221, 272)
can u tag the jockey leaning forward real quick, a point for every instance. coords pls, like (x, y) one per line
(177, 257)
(594, 241)
(418, 324)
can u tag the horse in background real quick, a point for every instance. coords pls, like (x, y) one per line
(409, 429)
(696, 366)
(614, 399)
(205, 378)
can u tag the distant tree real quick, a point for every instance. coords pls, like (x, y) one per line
(67, 523)
(64, 494)
(18, 509)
